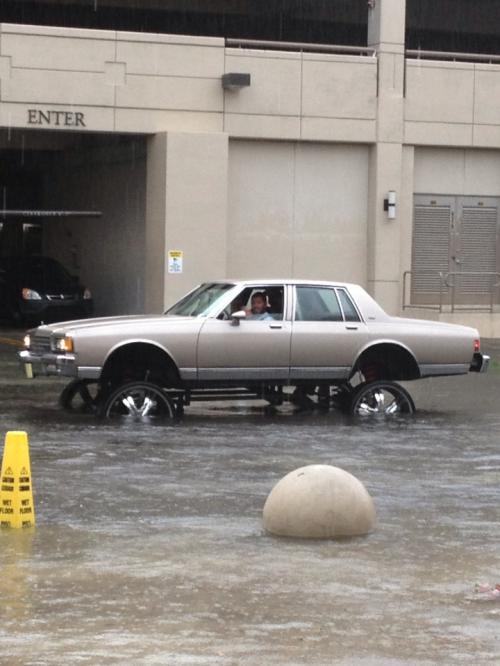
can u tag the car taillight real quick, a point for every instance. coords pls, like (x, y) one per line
(477, 345)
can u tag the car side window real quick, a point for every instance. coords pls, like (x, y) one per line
(350, 312)
(317, 304)
(260, 303)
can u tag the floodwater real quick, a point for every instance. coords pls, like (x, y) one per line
(149, 547)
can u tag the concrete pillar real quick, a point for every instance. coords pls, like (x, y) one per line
(186, 210)
(386, 33)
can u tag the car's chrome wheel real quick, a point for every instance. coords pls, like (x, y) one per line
(382, 398)
(80, 395)
(138, 401)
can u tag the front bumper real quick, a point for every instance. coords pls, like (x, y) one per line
(480, 362)
(48, 364)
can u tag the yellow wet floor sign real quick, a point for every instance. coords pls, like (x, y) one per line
(16, 494)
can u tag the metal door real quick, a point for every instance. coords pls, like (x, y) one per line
(455, 250)
(476, 251)
(250, 351)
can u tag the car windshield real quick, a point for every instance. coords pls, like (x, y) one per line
(42, 273)
(200, 301)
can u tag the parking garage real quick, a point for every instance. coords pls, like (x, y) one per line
(285, 174)
(80, 199)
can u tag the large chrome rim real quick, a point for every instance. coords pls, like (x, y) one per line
(138, 402)
(382, 399)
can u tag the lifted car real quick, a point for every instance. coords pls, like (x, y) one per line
(226, 340)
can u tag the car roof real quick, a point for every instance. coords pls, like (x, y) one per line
(278, 281)
(368, 306)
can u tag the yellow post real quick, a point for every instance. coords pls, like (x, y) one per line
(16, 495)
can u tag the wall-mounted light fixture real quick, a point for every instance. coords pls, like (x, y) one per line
(235, 80)
(390, 205)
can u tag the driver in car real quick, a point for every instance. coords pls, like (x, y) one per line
(258, 309)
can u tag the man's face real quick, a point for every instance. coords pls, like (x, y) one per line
(258, 305)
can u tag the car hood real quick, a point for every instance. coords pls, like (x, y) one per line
(50, 287)
(77, 325)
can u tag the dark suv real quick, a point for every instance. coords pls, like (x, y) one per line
(35, 289)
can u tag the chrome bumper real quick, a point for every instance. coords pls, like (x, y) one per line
(48, 364)
(480, 362)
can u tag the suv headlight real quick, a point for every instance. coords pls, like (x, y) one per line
(64, 344)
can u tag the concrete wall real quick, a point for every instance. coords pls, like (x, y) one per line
(108, 252)
(457, 171)
(186, 211)
(316, 142)
(297, 210)
(452, 104)
(135, 82)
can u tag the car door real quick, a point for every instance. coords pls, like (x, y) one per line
(250, 350)
(327, 333)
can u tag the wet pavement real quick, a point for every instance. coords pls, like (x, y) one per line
(149, 547)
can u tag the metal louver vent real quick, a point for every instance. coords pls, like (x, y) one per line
(478, 249)
(431, 247)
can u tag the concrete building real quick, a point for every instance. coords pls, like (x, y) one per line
(157, 147)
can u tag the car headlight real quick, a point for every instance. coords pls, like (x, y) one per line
(27, 340)
(30, 295)
(64, 344)
(87, 295)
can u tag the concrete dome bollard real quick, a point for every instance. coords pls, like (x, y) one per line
(319, 502)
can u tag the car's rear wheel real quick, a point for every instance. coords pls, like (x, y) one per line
(80, 395)
(381, 398)
(138, 401)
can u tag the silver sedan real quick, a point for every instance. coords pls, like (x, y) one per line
(330, 342)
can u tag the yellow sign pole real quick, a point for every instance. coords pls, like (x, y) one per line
(16, 495)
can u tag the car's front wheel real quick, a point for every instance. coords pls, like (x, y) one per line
(138, 401)
(381, 397)
(81, 395)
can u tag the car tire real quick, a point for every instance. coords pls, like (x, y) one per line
(342, 398)
(381, 398)
(137, 401)
(77, 397)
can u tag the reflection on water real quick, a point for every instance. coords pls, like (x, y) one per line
(149, 546)
(15, 595)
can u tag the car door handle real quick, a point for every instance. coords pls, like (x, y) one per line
(275, 325)
(351, 328)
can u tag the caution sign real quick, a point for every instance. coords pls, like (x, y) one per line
(175, 258)
(16, 493)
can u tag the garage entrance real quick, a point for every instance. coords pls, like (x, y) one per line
(455, 251)
(78, 199)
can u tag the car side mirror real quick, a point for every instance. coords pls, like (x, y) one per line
(237, 316)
